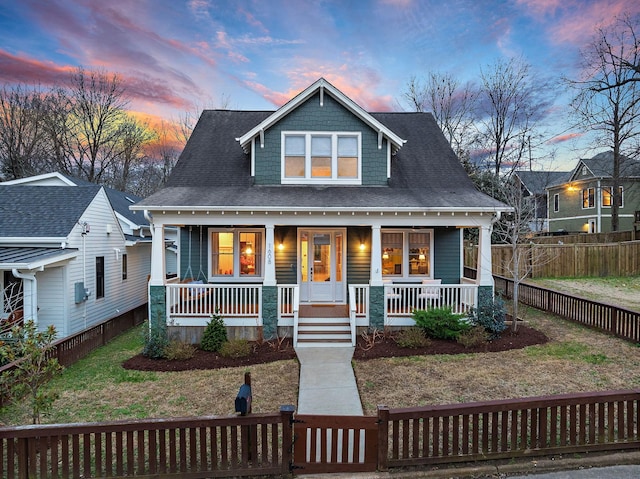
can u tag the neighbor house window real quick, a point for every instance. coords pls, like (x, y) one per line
(607, 197)
(321, 157)
(99, 277)
(556, 202)
(124, 266)
(236, 253)
(407, 253)
(588, 198)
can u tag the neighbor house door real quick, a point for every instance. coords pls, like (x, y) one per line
(321, 265)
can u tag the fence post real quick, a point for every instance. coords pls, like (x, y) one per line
(286, 417)
(383, 438)
(614, 322)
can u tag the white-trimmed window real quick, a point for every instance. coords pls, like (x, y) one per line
(556, 202)
(321, 157)
(588, 198)
(607, 197)
(236, 253)
(407, 253)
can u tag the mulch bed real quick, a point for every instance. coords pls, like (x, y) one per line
(384, 347)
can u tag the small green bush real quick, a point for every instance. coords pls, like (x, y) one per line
(215, 334)
(155, 341)
(236, 348)
(412, 338)
(179, 350)
(473, 337)
(490, 314)
(440, 323)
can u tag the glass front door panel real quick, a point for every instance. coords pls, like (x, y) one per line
(321, 269)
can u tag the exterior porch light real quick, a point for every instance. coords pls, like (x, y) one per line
(280, 246)
(362, 246)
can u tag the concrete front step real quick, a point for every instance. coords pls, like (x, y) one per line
(324, 332)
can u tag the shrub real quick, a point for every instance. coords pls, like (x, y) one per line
(236, 348)
(179, 350)
(440, 323)
(490, 314)
(155, 341)
(215, 334)
(412, 338)
(473, 337)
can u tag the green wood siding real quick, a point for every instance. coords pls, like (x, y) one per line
(193, 253)
(310, 116)
(358, 262)
(287, 258)
(447, 254)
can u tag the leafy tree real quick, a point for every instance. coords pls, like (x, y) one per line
(31, 350)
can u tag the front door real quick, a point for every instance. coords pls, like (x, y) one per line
(321, 271)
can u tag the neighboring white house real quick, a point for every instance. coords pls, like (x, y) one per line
(81, 256)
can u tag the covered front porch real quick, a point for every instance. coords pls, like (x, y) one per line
(380, 272)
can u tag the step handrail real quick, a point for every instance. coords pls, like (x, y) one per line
(352, 313)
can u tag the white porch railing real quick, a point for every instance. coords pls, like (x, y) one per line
(189, 304)
(402, 299)
(288, 307)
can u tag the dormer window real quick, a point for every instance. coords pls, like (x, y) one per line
(321, 157)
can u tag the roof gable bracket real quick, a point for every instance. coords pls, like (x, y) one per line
(321, 95)
(262, 138)
(380, 136)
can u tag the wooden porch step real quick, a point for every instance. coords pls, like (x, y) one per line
(332, 341)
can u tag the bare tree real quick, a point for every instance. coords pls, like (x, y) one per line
(607, 102)
(133, 137)
(98, 105)
(451, 103)
(22, 139)
(511, 106)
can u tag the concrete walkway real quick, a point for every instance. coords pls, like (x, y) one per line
(327, 383)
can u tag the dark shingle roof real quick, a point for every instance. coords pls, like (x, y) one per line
(213, 170)
(25, 256)
(538, 181)
(42, 211)
(601, 165)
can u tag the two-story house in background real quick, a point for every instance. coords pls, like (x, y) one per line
(582, 203)
(534, 186)
(319, 211)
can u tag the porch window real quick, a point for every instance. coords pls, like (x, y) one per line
(407, 254)
(236, 253)
(607, 197)
(321, 157)
(588, 198)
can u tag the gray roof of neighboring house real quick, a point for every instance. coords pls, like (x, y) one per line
(120, 201)
(42, 211)
(26, 256)
(601, 165)
(214, 171)
(537, 182)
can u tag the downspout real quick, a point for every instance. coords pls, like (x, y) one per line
(598, 198)
(33, 314)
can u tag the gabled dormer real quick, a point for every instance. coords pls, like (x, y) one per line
(321, 137)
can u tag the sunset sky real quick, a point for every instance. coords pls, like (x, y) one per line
(176, 55)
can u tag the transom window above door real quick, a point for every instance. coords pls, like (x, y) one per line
(321, 157)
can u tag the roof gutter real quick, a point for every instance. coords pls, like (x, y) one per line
(33, 298)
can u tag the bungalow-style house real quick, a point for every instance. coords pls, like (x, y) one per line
(534, 186)
(582, 203)
(72, 253)
(314, 220)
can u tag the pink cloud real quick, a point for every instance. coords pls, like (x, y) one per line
(22, 69)
(563, 138)
(574, 21)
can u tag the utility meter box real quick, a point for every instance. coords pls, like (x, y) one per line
(81, 293)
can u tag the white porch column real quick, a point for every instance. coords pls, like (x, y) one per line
(269, 263)
(376, 256)
(157, 256)
(484, 267)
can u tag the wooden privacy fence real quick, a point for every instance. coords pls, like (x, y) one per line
(621, 322)
(262, 444)
(566, 260)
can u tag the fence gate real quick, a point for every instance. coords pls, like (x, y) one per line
(327, 444)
